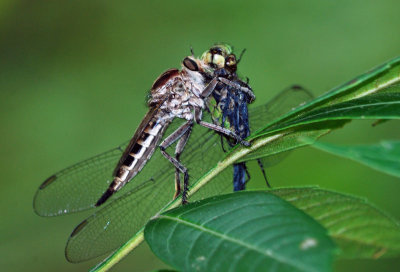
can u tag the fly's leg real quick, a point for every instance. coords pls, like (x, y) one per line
(237, 86)
(263, 172)
(217, 128)
(224, 131)
(209, 88)
(213, 83)
(178, 150)
(182, 133)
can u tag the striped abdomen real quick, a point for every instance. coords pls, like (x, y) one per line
(138, 152)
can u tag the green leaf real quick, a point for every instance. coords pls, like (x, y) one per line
(384, 156)
(376, 81)
(247, 231)
(376, 106)
(287, 140)
(359, 228)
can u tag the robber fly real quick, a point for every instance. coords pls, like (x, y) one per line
(174, 94)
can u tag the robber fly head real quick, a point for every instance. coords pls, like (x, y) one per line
(194, 68)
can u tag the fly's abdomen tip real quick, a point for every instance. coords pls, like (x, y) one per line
(104, 197)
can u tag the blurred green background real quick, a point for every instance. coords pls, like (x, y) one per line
(74, 75)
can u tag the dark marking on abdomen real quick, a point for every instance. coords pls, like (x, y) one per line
(136, 149)
(128, 160)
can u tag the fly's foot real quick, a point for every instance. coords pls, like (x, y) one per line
(245, 143)
(240, 140)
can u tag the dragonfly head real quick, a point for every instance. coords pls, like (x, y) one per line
(220, 56)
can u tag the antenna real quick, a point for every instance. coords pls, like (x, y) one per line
(241, 55)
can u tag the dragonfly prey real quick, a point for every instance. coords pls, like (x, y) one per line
(230, 108)
(79, 186)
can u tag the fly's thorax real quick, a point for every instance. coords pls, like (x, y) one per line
(162, 86)
(194, 81)
(178, 93)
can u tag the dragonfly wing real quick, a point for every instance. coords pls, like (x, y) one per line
(285, 101)
(117, 222)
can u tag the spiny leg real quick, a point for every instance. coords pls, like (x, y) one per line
(224, 131)
(237, 86)
(178, 150)
(213, 83)
(209, 88)
(217, 128)
(178, 134)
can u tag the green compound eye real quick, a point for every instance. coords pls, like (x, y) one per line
(223, 49)
(216, 55)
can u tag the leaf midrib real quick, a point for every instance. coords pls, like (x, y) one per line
(276, 257)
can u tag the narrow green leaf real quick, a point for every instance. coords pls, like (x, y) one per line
(247, 231)
(288, 140)
(359, 228)
(384, 156)
(372, 82)
(377, 106)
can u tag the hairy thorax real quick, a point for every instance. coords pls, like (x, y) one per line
(178, 95)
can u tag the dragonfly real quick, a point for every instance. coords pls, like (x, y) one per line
(79, 186)
(230, 108)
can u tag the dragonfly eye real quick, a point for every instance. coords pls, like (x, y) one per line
(216, 51)
(218, 60)
(231, 62)
(190, 64)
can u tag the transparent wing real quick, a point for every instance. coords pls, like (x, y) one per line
(280, 104)
(114, 224)
(77, 187)
(285, 101)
